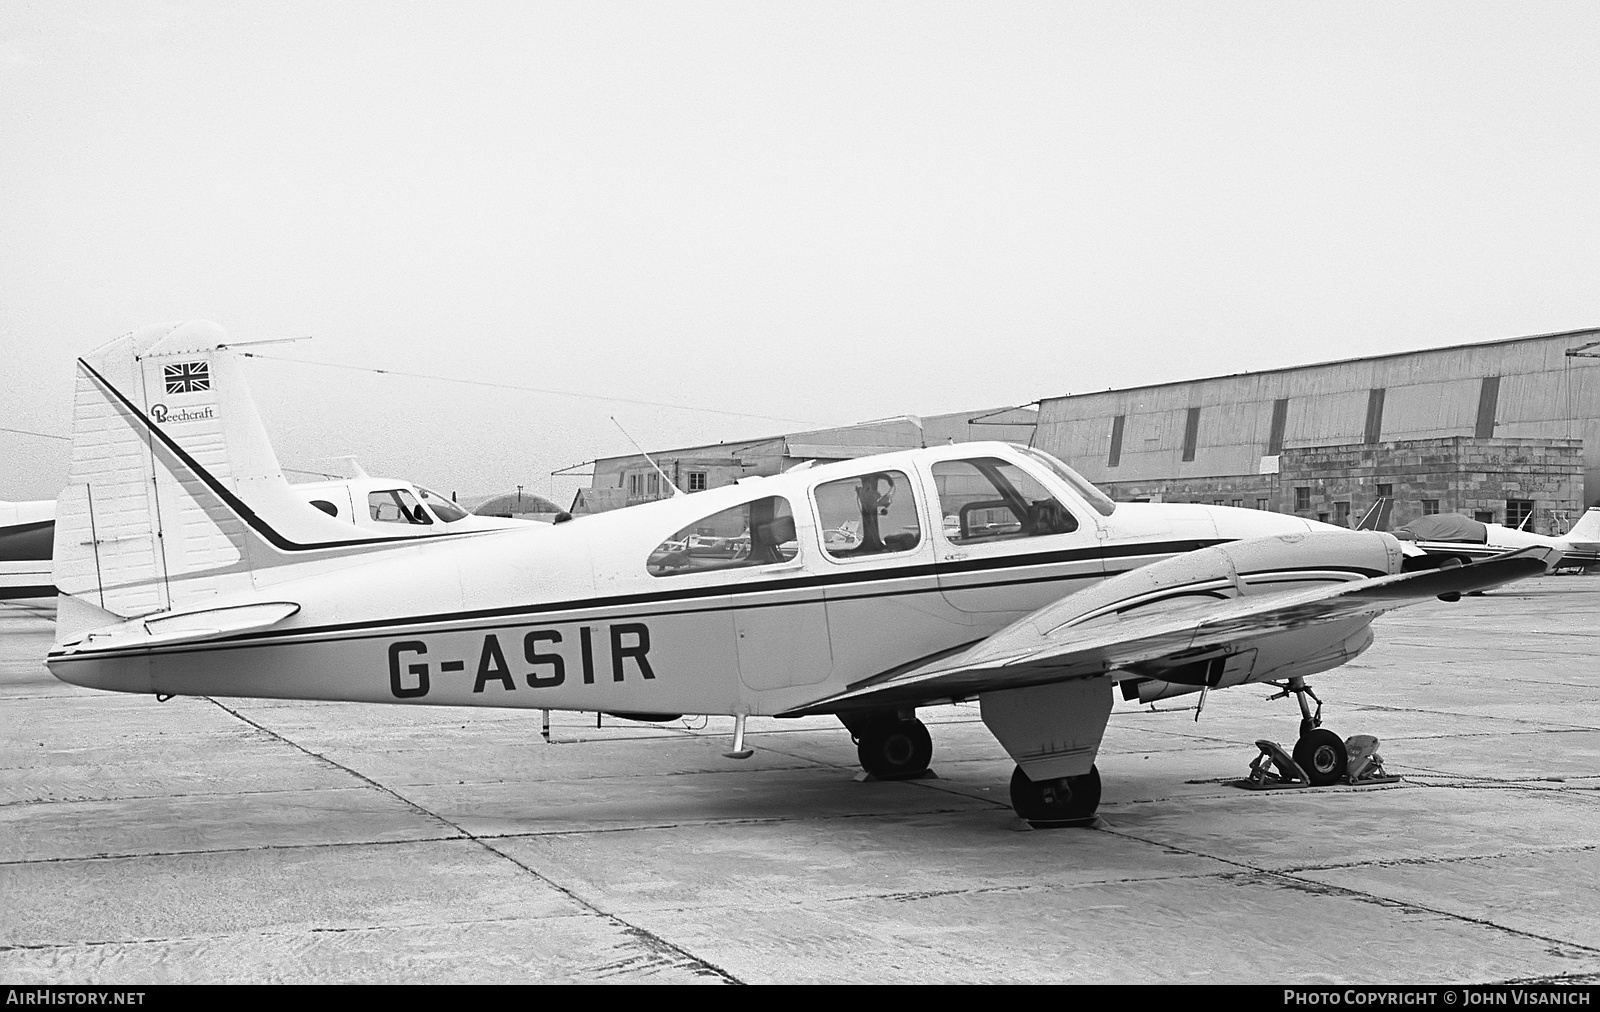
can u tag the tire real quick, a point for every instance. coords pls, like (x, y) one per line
(1321, 754)
(1063, 802)
(895, 750)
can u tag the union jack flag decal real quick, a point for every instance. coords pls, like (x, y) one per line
(188, 378)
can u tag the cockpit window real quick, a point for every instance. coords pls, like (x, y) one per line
(758, 533)
(869, 515)
(1101, 502)
(442, 508)
(988, 499)
(396, 506)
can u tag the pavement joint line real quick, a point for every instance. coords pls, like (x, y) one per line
(1361, 896)
(277, 933)
(1578, 848)
(203, 851)
(1544, 726)
(171, 797)
(651, 941)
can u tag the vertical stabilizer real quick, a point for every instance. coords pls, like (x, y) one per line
(1588, 526)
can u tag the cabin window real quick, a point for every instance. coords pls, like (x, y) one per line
(396, 506)
(988, 499)
(326, 507)
(868, 515)
(442, 508)
(758, 533)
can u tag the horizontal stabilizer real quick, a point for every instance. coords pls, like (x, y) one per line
(187, 626)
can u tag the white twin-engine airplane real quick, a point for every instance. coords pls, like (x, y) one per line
(863, 589)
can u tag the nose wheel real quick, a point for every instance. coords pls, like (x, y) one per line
(1319, 753)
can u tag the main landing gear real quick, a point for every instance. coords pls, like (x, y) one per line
(891, 746)
(1065, 801)
(1320, 757)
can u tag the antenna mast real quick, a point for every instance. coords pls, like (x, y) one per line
(676, 491)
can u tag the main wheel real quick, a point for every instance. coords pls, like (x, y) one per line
(895, 749)
(1062, 802)
(1321, 754)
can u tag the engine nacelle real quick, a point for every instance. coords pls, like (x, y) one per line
(1241, 568)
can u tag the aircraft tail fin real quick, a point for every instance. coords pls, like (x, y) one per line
(1588, 526)
(174, 494)
(1377, 515)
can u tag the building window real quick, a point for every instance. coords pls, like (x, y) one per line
(1385, 490)
(1238, 504)
(1483, 516)
(697, 481)
(1341, 513)
(1280, 421)
(1302, 499)
(635, 484)
(1488, 407)
(1430, 507)
(1261, 504)
(1374, 415)
(1117, 425)
(1322, 518)
(1519, 512)
(1191, 434)
(1218, 502)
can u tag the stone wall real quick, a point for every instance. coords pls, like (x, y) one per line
(1463, 474)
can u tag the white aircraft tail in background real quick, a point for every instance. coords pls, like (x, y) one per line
(1587, 529)
(1377, 516)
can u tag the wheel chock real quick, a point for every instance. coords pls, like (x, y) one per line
(1363, 764)
(1273, 770)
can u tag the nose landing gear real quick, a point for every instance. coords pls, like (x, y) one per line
(1319, 753)
(1320, 757)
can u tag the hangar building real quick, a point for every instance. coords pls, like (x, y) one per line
(627, 480)
(1506, 431)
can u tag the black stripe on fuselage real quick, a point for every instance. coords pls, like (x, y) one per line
(267, 532)
(380, 628)
(29, 542)
(36, 590)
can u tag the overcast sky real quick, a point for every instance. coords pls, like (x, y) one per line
(818, 212)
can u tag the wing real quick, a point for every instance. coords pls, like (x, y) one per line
(1024, 654)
